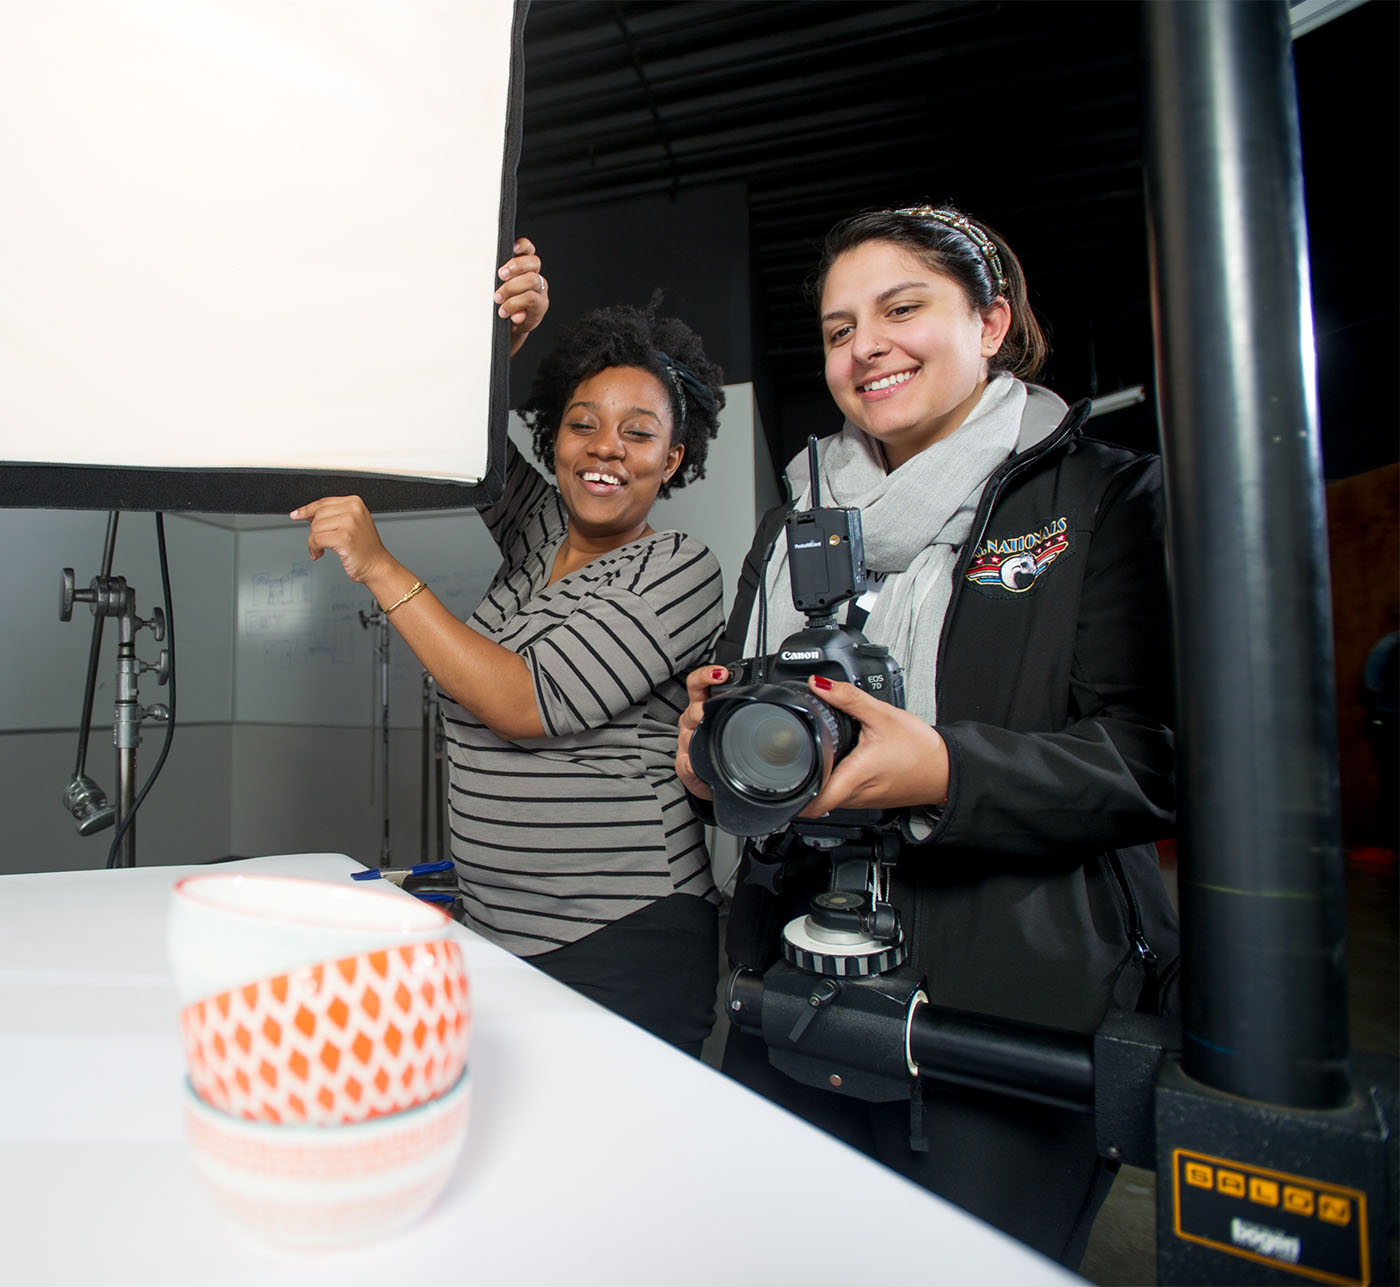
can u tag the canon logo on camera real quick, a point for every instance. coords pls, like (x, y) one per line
(801, 654)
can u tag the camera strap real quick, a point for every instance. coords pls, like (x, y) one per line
(918, 1136)
(756, 914)
(859, 609)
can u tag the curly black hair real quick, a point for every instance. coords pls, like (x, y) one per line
(635, 337)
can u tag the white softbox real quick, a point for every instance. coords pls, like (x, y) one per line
(247, 250)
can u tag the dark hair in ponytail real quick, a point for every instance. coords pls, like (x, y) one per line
(970, 252)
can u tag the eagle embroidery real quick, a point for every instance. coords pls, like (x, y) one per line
(1017, 563)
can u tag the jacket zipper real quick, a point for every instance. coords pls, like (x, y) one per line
(1137, 938)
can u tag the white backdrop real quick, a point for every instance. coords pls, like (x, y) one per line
(251, 233)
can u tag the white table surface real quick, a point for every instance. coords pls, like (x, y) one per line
(596, 1153)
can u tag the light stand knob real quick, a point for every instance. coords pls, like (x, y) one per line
(87, 802)
(69, 594)
(161, 666)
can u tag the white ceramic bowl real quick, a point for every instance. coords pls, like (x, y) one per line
(312, 1189)
(224, 930)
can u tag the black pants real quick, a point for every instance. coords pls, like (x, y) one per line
(658, 967)
(1031, 1170)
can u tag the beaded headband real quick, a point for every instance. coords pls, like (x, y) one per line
(970, 230)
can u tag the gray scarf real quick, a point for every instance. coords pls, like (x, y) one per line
(915, 522)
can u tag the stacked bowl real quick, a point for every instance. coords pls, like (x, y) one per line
(326, 1030)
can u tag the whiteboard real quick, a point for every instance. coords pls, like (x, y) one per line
(304, 654)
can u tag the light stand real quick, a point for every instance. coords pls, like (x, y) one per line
(432, 766)
(110, 596)
(379, 698)
(439, 781)
(83, 798)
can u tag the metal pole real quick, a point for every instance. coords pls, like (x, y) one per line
(1261, 874)
(439, 785)
(109, 546)
(126, 721)
(384, 850)
(427, 706)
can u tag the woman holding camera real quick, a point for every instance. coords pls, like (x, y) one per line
(573, 843)
(1017, 576)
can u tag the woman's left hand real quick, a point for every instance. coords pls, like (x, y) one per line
(524, 294)
(897, 761)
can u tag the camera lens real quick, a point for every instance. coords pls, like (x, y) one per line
(767, 750)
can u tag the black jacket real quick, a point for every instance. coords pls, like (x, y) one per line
(1037, 895)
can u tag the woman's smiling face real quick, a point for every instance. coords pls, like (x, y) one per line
(906, 352)
(612, 453)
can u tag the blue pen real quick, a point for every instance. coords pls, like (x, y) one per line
(398, 876)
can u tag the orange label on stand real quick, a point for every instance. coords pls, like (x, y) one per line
(1308, 1227)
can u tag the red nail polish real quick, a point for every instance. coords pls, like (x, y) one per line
(716, 674)
(822, 682)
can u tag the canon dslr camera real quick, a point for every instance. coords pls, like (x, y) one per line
(767, 744)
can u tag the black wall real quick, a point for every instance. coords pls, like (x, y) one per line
(697, 247)
(694, 248)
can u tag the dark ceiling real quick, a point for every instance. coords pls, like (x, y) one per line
(1027, 113)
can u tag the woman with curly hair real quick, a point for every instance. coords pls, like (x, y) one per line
(573, 842)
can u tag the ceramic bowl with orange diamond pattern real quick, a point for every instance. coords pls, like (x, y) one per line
(334, 1042)
(313, 1189)
(224, 929)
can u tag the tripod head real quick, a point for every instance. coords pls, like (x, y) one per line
(851, 929)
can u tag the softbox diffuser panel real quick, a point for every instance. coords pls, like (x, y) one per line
(247, 250)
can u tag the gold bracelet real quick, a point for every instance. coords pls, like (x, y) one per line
(412, 590)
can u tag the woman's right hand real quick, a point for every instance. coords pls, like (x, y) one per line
(898, 761)
(343, 525)
(523, 296)
(697, 687)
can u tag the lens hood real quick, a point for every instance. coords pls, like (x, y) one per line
(765, 750)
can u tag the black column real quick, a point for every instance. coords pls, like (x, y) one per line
(1262, 881)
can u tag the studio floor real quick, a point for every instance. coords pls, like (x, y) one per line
(1122, 1249)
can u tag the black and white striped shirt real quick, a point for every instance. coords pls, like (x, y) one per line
(554, 837)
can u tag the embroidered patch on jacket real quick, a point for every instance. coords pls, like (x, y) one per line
(1015, 564)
